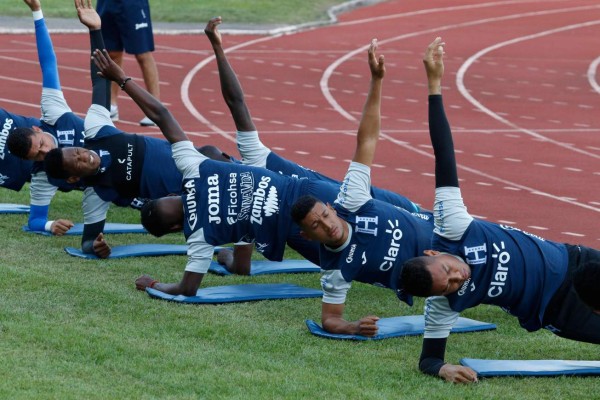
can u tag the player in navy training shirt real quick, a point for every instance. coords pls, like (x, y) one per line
(255, 153)
(361, 238)
(31, 139)
(474, 262)
(114, 166)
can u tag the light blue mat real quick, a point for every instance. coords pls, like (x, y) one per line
(489, 368)
(109, 227)
(239, 293)
(264, 267)
(134, 250)
(8, 208)
(409, 325)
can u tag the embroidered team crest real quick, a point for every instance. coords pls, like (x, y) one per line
(66, 138)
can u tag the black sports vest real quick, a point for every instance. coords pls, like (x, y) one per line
(125, 170)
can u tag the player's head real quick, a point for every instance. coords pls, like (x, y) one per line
(162, 216)
(586, 280)
(319, 221)
(71, 163)
(435, 274)
(30, 143)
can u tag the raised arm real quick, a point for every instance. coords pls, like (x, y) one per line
(370, 122)
(230, 85)
(46, 54)
(434, 347)
(439, 128)
(89, 17)
(149, 104)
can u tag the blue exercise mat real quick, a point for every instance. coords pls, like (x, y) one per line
(489, 368)
(109, 227)
(270, 267)
(409, 325)
(240, 293)
(8, 208)
(134, 250)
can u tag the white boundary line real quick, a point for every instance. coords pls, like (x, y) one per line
(463, 90)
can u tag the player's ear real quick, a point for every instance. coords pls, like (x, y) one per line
(73, 179)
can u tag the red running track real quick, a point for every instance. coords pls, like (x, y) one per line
(521, 90)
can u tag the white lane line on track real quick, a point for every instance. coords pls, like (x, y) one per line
(467, 64)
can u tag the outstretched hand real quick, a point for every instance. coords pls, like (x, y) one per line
(34, 5)
(107, 67)
(101, 248)
(434, 65)
(87, 14)
(458, 374)
(211, 31)
(376, 64)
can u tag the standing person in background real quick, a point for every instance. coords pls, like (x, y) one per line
(126, 25)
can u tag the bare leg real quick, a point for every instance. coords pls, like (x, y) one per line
(149, 72)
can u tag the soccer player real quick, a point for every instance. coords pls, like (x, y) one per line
(361, 238)
(114, 166)
(255, 153)
(31, 139)
(222, 202)
(474, 262)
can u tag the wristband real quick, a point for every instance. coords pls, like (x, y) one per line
(48, 226)
(122, 84)
(37, 15)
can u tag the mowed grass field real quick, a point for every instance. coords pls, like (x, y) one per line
(235, 11)
(78, 329)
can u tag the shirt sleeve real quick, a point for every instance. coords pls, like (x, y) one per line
(96, 118)
(252, 150)
(451, 218)
(187, 159)
(53, 105)
(356, 187)
(335, 287)
(94, 208)
(439, 318)
(41, 191)
(199, 253)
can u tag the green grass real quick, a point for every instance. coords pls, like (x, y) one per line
(73, 329)
(233, 11)
(77, 329)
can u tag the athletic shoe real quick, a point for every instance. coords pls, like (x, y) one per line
(114, 113)
(147, 122)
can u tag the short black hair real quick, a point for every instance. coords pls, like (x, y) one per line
(302, 206)
(151, 219)
(53, 164)
(415, 278)
(19, 141)
(586, 280)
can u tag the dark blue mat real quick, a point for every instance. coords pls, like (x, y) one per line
(489, 368)
(134, 250)
(109, 227)
(263, 267)
(409, 325)
(8, 208)
(240, 293)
